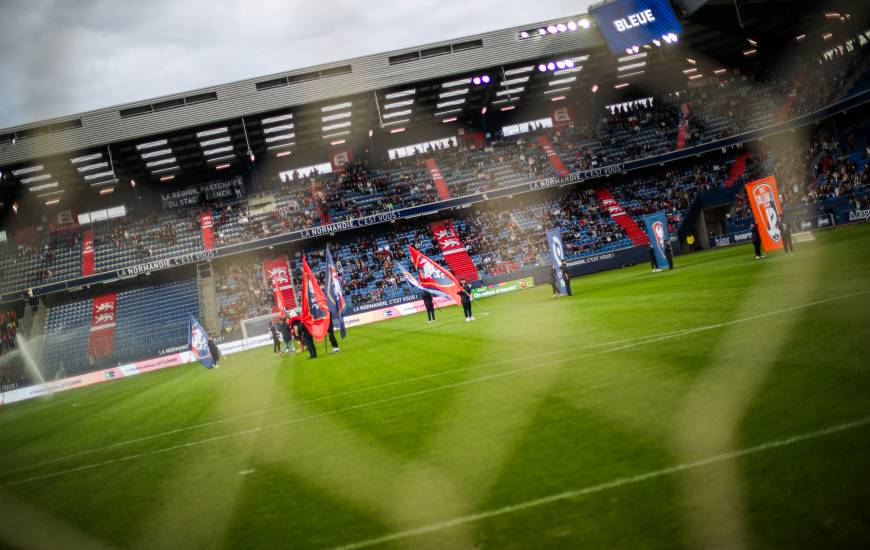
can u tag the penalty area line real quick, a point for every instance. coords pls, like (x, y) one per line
(613, 484)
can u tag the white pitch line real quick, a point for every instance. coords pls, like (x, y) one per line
(614, 484)
(646, 340)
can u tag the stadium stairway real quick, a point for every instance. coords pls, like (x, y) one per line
(737, 169)
(454, 251)
(617, 213)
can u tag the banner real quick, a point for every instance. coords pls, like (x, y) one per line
(433, 276)
(438, 179)
(807, 222)
(503, 287)
(315, 311)
(197, 341)
(207, 224)
(335, 294)
(855, 215)
(764, 200)
(561, 116)
(339, 160)
(657, 229)
(556, 248)
(156, 265)
(552, 156)
(209, 191)
(447, 238)
(728, 239)
(101, 339)
(278, 273)
(88, 253)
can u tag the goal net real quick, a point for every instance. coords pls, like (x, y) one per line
(255, 331)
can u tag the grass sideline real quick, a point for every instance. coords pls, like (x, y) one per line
(415, 434)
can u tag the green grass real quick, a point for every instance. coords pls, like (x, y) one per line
(413, 425)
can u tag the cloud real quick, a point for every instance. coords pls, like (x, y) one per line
(60, 57)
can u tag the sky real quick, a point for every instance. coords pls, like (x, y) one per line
(60, 57)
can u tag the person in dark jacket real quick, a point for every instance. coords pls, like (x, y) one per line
(305, 336)
(430, 306)
(786, 238)
(566, 277)
(215, 352)
(652, 258)
(465, 298)
(276, 340)
(756, 241)
(669, 254)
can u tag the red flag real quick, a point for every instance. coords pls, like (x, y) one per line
(432, 275)
(315, 310)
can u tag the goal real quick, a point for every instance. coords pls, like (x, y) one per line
(255, 331)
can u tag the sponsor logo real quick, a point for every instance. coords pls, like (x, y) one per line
(765, 201)
(185, 259)
(859, 215)
(575, 177)
(659, 231)
(349, 224)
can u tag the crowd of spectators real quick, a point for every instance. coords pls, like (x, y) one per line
(243, 292)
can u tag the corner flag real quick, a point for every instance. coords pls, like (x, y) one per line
(315, 311)
(434, 277)
(334, 294)
(197, 341)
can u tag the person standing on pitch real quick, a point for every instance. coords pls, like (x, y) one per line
(756, 241)
(652, 258)
(669, 254)
(332, 339)
(553, 282)
(305, 336)
(566, 277)
(465, 297)
(287, 335)
(276, 341)
(430, 306)
(786, 238)
(215, 352)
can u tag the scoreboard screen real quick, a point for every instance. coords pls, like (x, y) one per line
(629, 23)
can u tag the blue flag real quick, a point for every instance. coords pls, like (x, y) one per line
(411, 280)
(197, 341)
(557, 255)
(334, 294)
(657, 230)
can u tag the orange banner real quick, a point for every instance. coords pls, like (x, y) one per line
(764, 200)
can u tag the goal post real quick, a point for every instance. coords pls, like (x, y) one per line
(255, 330)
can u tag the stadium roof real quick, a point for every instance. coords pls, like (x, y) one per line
(345, 100)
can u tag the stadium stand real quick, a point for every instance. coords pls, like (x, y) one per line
(150, 319)
(501, 237)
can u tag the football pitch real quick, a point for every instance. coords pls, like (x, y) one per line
(724, 404)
